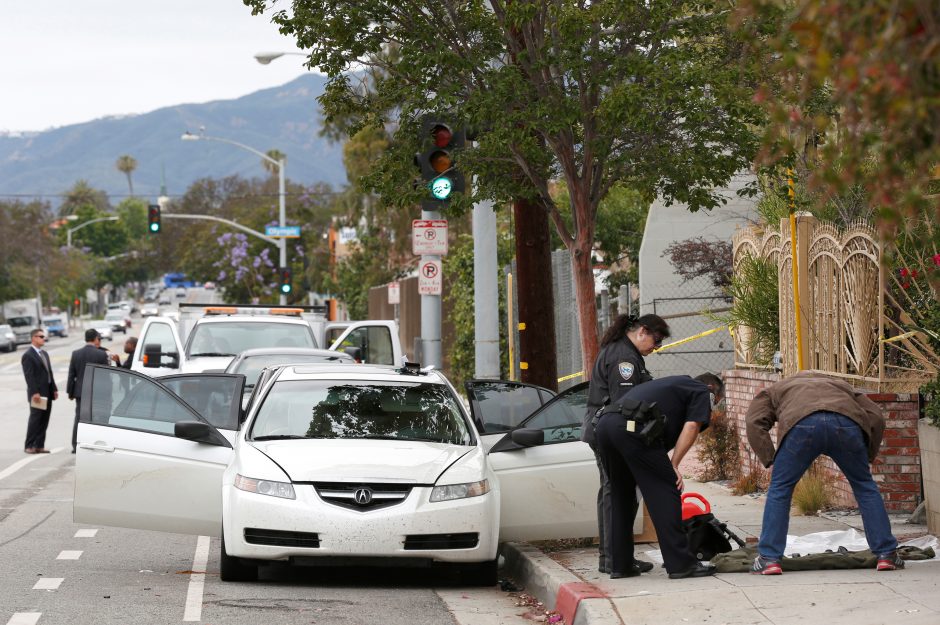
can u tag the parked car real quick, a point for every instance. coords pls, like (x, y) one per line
(332, 462)
(7, 338)
(118, 320)
(104, 329)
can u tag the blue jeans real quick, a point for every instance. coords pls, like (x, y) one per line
(841, 439)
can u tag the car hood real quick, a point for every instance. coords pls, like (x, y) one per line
(206, 363)
(321, 460)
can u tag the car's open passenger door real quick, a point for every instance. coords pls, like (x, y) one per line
(548, 478)
(146, 459)
(498, 406)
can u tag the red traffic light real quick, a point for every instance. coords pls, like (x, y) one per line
(77, 302)
(442, 135)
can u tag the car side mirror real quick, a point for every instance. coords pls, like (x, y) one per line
(527, 438)
(198, 432)
(355, 352)
(152, 355)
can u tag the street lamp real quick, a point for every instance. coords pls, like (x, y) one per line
(279, 163)
(266, 57)
(83, 224)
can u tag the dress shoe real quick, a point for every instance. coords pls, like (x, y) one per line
(31, 450)
(43, 450)
(642, 567)
(603, 568)
(632, 573)
(696, 570)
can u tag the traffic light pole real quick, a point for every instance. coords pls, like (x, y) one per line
(282, 221)
(430, 310)
(69, 232)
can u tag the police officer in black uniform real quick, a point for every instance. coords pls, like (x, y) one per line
(618, 368)
(632, 438)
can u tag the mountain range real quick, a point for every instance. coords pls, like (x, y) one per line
(287, 118)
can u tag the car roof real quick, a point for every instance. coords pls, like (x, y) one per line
(293, 351)
(253, 319)
(358, 373)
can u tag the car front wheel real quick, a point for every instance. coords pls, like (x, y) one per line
(232, 569)
(480, 574)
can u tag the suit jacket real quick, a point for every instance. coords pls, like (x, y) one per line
(38, 378)
(88, 354)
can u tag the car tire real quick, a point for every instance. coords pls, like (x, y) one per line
(480, 574)
(232, 569)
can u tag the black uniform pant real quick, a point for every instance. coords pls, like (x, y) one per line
(630, 463)
(603, 514)
(36, 427)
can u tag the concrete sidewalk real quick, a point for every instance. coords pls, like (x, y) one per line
(568, 581)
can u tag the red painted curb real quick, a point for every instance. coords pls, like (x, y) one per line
(571, 594)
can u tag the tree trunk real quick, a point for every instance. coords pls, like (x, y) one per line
(536, 301)
(583, 273)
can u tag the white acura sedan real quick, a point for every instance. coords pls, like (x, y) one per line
(332, 464)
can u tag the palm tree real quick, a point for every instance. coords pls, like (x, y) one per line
(270, 167)
(126, 164)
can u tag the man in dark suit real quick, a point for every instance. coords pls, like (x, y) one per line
(130, 345)
(90, 353)
(37, 368)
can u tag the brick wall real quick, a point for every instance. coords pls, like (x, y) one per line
(897, 467)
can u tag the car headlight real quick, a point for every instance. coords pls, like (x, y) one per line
(460, 491)
(265, 487)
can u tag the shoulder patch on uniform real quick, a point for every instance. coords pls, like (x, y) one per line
(626, 370)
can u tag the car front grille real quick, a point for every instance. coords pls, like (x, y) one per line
(467, 540)
(278, 538)
(362, 497)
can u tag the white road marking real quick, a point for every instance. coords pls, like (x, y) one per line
(19, 464)
(69, 555)
(49, 583)
(85, 533)
(197, 581)
(24, 618)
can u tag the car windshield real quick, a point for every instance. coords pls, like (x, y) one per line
(251, 366)
(228, 338)
(19, 322)
(360, 410)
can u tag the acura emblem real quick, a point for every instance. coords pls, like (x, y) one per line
(363, 496)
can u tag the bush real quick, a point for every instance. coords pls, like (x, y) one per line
(755, 305)
(931, 393)
(718, 449)
(814, 491)
(753, 479)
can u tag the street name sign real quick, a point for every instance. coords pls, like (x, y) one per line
(429, 237)
(282, 232)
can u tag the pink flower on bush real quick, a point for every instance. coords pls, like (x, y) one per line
(936, 260)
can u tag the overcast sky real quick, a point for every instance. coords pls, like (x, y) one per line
(70, 61)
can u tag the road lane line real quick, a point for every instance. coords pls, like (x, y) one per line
(19, 464)
(69, 555)
(85, 533)
(24, 618)
(197, 581)
(49, 583)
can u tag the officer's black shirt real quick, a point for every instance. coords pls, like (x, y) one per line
(680, 398)
(619, 368)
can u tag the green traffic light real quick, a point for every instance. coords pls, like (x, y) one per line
(154, 227)
(441, 187)
(285, 288)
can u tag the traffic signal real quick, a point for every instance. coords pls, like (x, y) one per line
(153, 218)
(284, 284)
(438, 161)
(77, 304)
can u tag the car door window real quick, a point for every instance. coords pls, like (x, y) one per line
(161, 334)
(121, 398)
(375, 342)
(560, 420)
(501, 406)
(214, 396)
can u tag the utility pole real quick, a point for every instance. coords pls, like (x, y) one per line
(485, 293)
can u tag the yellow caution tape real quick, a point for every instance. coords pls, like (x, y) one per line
(569, 377)
(689, 338)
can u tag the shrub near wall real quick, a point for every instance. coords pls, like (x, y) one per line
(897, 468)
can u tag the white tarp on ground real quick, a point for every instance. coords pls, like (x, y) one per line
(820, 542)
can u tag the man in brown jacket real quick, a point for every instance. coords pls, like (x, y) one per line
(817, 415)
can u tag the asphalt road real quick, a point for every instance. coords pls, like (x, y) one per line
(55, 571)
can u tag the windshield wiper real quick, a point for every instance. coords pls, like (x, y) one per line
(209, 354)
(277, 437)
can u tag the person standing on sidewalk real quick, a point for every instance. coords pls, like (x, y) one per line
(40, 383)
(619, 367)
(817, 415)
(130, 346)
(633, 437)
(90, 353)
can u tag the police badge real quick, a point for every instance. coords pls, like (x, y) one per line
(626, 370)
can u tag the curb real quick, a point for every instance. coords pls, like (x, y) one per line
(578, 602)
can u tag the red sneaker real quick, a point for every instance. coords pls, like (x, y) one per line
(766, 566)
(890, 562)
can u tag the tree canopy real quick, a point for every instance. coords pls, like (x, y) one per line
(649, 95)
